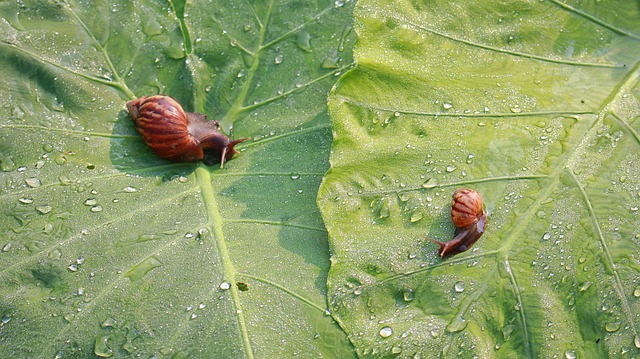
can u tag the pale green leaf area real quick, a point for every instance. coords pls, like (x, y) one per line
(536, 105)
(109, 251)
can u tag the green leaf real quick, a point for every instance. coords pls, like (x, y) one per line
(536, 105)
(110, 251)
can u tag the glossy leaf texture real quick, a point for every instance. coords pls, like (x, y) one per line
(534, 104)
(107, 250)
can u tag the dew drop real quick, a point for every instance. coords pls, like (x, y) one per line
(636, 341)
(278, 60)
(546, 236)
(33, 182)
(416, 216)
(612, 327)
(97, 208)
(430, 183)
(516, 109)
(636, 292)
(101, 347)
(73, 267)
(109, 323)
(507, 330)
(447, 105)
(44, 209)
(451, 168)
(459, 287)
(408, 295)
(6, 247)
(208, 88)
(90, 202)
(386, 332)
(570, 354)
(457, 324)
(60, 159)
(225, 285)
(584, 286)
(130, 189)
(25, 200)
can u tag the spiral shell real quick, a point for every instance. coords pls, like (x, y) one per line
(469, 218)
(177, 135)
(466, 207)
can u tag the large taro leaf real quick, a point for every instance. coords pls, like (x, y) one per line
(536, 105)
(107, 250)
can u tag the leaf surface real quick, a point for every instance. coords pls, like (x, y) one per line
(534, 104)
(110, 251)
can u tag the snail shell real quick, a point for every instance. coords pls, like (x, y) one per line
(466, 207)
(179, 136)
(469, 218)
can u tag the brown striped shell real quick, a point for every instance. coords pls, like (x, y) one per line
(466, 207)
(177, 135)
(470, 220)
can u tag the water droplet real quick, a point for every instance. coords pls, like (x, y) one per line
(60, 159)
(612, 327)
(278, 59)
(636, 292)
(5, 319)
(447, 105)
(459, 287)
(416, 216)
(451, 168)
(470, 158)
(430, 183)
(339, 3)
(80, 291)
(396, 349)
(386, 332)
(240, 73)
(25, 200)
(225, 285)
(408, 295)
(140, 270)
(109, 323)
(384, 210)
(101, 347)
(636, 341)
(295, 176)
(80, 260)
(457, 324)
(208, 88)
(44, 209)
(507, 330)
(54, 254)
(516, 109)
(33, 182)
(357, 291)
(73, 267)
(570, 354)
(6, 247)
(303, 40)
(546, 236)
(90, 202)
(97, 208)
(584, 286)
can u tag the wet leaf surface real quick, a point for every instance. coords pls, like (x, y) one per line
(533, 104)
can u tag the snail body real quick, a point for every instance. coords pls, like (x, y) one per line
(469, 217)
(180, 136)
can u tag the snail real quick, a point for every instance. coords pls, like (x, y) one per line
(469, 218)
(177, 135)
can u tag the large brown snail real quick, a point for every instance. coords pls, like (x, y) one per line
(177, 135)
(469, 217)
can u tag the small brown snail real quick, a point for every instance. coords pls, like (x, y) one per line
(177, 135)
(469, 218)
